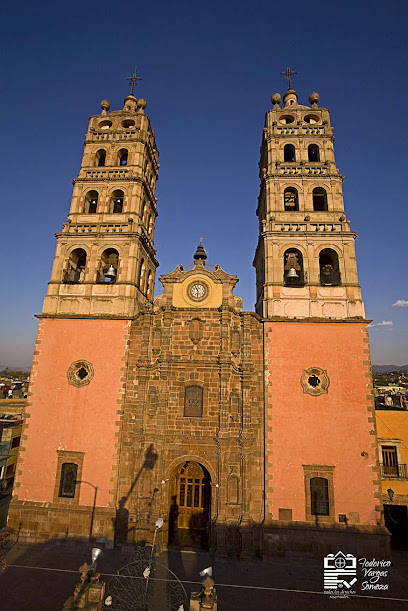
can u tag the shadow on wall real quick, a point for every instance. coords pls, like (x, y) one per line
(121, 521)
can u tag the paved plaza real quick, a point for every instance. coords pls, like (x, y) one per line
(42, 577)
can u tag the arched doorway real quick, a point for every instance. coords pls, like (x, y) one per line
(190, 502)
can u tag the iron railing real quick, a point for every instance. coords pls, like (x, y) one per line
(394, 471)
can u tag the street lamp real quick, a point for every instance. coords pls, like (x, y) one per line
(390, 492)
(96, 552)
(146, 573)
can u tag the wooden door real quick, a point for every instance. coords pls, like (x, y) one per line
(192, 498)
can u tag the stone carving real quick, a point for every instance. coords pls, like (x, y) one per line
(196, 330)
(193, 401)
(80, 373)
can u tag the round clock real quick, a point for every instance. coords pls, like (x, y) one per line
(197, 291)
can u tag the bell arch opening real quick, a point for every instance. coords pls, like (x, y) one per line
(190, 506)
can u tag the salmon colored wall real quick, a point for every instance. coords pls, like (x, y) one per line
(63, 417)
(330, 429)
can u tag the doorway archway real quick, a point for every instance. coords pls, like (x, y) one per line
(190, 503)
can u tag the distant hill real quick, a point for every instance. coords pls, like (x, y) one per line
(26, 368)
(389, 368)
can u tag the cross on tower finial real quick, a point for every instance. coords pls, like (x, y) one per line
(133, 81)
(287, 75)
(201, 239)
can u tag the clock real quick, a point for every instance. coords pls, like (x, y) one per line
(197, 291)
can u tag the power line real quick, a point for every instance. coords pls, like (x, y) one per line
(218, 585)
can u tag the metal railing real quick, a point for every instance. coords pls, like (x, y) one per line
(394, 471)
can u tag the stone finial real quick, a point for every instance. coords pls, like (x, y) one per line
(141, 105)
(105, 107)
(130, 103)
(276, 99)
(290, 98)
(313, 99)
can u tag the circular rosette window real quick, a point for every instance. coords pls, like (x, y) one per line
(80, 373)
(315, 381)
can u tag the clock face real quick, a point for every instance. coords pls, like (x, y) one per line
(197, 291)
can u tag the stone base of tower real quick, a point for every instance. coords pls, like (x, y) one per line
(302, 538)
(37, 522)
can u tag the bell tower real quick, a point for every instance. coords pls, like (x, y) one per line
(105, 260)
(305, 259)
(102, 279)
(319, 409)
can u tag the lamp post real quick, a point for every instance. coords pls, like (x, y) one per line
(146, 573)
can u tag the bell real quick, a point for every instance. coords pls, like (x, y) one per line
(111, 273)
(292, 273)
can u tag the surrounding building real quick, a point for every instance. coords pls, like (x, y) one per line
(392, 431)
(249, 432)
(10, 438)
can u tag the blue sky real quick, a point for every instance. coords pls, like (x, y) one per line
(209, 69)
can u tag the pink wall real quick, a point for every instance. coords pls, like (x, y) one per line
(63, 417)
(330, 429)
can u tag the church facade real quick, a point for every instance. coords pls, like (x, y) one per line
(249, 433)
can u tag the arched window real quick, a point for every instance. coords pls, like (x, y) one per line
(289, 153)
(108, 271)
(313, 152)
(68, 480)
(319, 496)
(142, 276)
(150, 225)
(142, 213)
(149, 285)
(319, 199)
(75, 272)
(117, 202)
(123, 157)
(91, 202)
(329, 267)
(290, 199)
(293, 274)
(100, 157)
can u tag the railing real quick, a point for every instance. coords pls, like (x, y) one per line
(333, 278)
(394, 471)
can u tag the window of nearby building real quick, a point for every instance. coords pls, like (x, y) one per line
(390, 461)
(68, 480)
(15, 442)
(10, 469)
